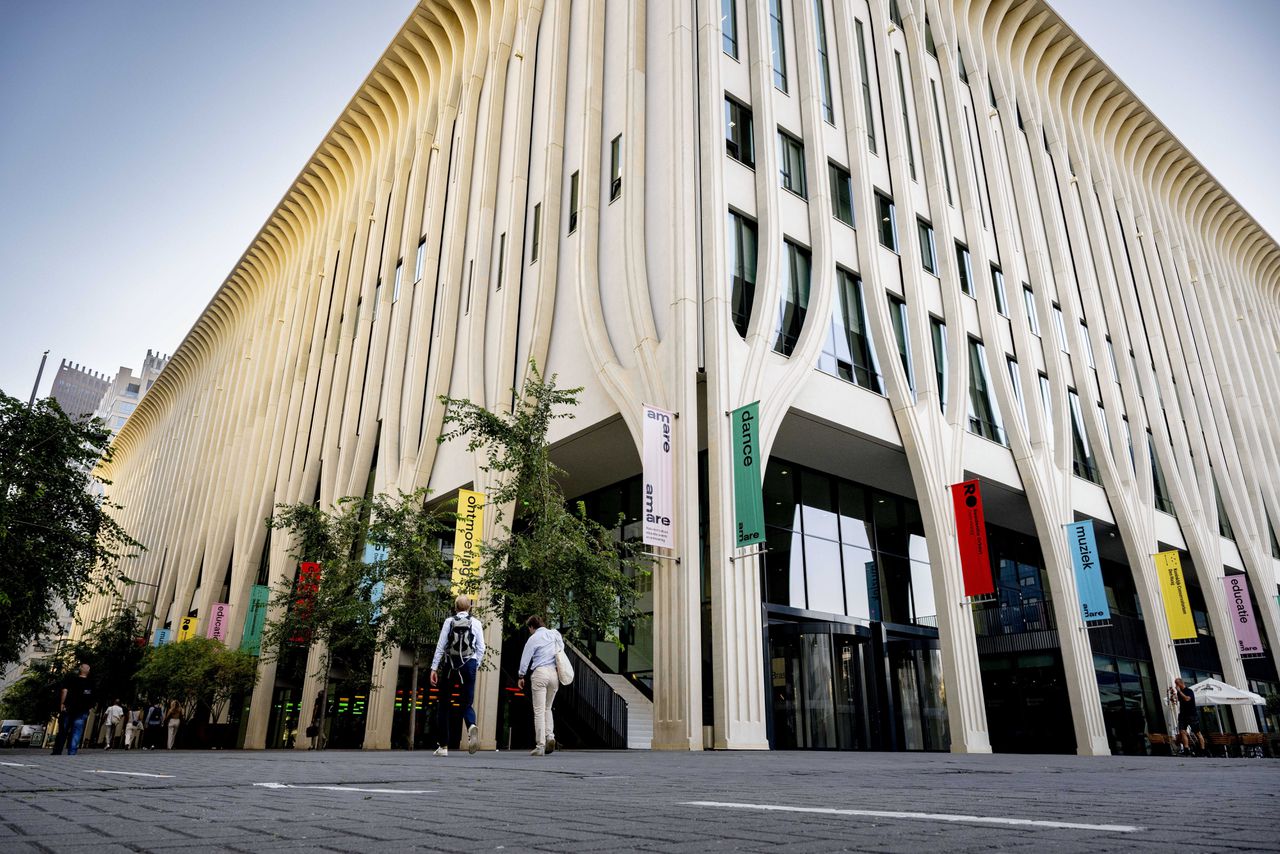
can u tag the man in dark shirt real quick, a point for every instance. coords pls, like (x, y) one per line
(74, 702)
(1188, 717)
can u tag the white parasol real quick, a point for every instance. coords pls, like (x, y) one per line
(1211, 692)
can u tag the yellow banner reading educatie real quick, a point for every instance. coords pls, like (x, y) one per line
(187, 627)
(466, 540)
(1177, 608)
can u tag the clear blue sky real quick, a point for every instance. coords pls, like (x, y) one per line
(144, 142)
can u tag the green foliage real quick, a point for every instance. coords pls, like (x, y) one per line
(58, 541)
(195, 671)
(551, 560)
(33, 697)
(113, 648)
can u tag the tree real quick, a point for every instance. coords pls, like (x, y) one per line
(113, 648)
(195, 671)
(336, 610)
(417, 596)
(58, 540)
(548, 560)
(32, 698)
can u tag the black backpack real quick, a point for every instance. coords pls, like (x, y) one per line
(459, 647)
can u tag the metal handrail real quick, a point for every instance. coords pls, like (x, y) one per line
(594, 702)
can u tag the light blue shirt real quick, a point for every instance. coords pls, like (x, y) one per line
(540, 650)
(477, 640)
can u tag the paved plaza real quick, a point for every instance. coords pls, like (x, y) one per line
(618, 801)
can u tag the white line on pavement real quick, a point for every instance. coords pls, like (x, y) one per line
(923, 816)
(18, 765)
(133, 774)
(348, 789)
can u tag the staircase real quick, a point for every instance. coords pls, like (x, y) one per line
(639, 711)
(617, 706)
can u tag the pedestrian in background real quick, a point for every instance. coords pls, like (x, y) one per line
(540, 657)
(114, 716)
(459, 652)
(153, 724)
(74, 702)
(173, 719)
(133, 728)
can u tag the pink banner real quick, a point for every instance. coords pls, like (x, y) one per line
(1240, 610)
(218, 621)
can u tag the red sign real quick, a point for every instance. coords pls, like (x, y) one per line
(304, 596)
(971, 535)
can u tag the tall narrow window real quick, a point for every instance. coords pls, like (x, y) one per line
(795, 297)
(1163, 502)
(939, 330)
(1046, 402)
(791, 163)
(535, 240)
(739, 141)
(965, 268)
(906, 117)
(502, 258)
(888, 222)
(1060, 327)
(573, 202)
(847, 353)
(742, 270)
(866, 88)
(1029, 300)
(419, 260)
(615, 168)
(895, 12)
(395, 286)
(1016, 382)
(377, 299)
(729, 27)
(997, 286)
(1128, 439)
(898, 314)
(1275, 542)
(942, 139)
(928, 258)
(1224, 523)
(841, 193)
(929, 44)
(777, 39)
(1088, 347)
(1081, 456)
(983, 418)
(824, 67)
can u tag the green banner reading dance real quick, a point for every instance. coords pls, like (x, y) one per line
(748, 500)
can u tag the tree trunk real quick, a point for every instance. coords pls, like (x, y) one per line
(413, 702)
(321, 740)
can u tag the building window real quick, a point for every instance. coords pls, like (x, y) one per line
(1224, 523)
(729, 27)
(997, 285)
(1082, 464)
(742, 270)
(615, 168)
(1045, 401)
(1275, 542)
(888, 222)
(929, 44)
(1016, 382)
(895, 12)
(795, 298)
(939, 330)
(132, 390)
(573, 202)
(824, 68)
(928, 258)
(983, 418)
(848, 353)
(898, 314)
(841, 193)
(395, 284)
(739, 142)
(866, 88)
(942, 138)
(1088, 345)
(377, 299)
(1029, 300)
(906, 118)
(536, 240)
(502, 258)
(1060, 327)
(1162, 500)
(965, 268)
(777, 38)
(791, 163)
(419, 260)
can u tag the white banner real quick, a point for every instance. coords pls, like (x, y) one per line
(656, 493)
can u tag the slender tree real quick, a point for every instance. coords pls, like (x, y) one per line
(197, 670)
(417, 596)
(549, 558)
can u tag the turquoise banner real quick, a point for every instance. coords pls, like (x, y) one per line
(251, 640)
(748, 481)
(1084, 554)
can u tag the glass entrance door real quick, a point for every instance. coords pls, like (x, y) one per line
(817, 688)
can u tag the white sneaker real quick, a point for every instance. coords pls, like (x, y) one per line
(442, 751)
(537, 751)
(473, 738)
(551, 745)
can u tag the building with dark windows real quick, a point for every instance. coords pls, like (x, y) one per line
(938, 242)
(77, 389)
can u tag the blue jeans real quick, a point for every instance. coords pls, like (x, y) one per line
(466, 679)
(75, 733)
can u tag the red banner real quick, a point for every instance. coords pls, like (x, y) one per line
(971, 535)
(304, 596)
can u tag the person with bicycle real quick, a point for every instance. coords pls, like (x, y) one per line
(1188, 717)
(459, 651)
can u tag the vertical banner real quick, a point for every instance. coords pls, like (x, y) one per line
(971, 536)
(187, 627)
(748, 498)
(305, 596)
(1177, 607)
(218, 622)
(1083, 545)
(657, 489)
(1240, 609)
(466, 540)
(251, 640)
(162, 637)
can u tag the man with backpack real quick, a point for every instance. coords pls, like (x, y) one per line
(458, 655)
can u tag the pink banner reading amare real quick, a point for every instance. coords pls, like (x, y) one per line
(1240, 610)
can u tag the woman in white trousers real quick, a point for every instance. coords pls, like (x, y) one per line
(540, 658)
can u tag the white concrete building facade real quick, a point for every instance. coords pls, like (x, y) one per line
(127, 389)
(937, 241)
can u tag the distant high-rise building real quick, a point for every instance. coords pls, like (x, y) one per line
(78, 389)
(120, 397)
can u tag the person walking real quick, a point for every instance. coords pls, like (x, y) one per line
(540, 657)
(133, 728)
(459, 652)
(1188, 717)
(113, 716)
(173, 719)
(74, 701)
(153, 723)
